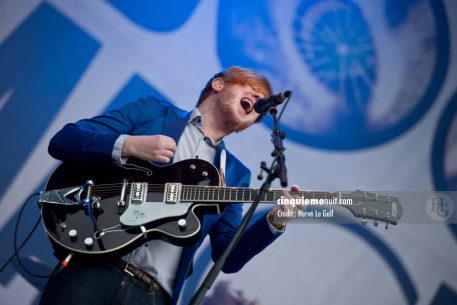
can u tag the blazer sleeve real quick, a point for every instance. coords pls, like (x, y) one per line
(92, 140)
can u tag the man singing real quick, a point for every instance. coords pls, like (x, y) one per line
(154, 130)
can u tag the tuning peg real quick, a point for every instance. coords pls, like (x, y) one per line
(375, 223)
(363, 221)
(387, 226)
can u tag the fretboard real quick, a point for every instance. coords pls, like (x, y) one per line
(233, 194)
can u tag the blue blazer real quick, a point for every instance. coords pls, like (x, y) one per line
(92, 140)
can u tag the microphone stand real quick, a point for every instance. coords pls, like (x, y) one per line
(277, 169)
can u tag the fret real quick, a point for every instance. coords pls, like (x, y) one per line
(225, 194)
(203, 188)
(277, 195)
(210, 193)
(256, 192)
(183, 193)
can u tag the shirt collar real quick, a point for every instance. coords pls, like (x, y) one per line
(196, 119)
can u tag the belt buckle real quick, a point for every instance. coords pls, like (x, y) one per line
(128, 271)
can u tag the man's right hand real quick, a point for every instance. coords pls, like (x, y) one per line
(150, 148)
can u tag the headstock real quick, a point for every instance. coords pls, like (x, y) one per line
(373, 206)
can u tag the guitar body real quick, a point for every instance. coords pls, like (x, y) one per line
(116, 228)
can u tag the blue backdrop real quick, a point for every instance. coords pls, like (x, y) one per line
(374, 108)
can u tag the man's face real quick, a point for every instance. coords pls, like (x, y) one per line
(237, 106)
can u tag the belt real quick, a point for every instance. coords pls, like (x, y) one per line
(139, 274)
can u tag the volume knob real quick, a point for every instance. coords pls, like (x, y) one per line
(89, 242)
(73, 233)
(182, 223)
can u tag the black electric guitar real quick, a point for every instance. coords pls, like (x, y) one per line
(92, 209)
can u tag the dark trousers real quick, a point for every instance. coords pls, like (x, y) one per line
(98, 283)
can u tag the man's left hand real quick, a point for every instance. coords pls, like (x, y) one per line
(282, 214)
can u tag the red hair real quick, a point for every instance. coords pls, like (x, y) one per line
(238, 75)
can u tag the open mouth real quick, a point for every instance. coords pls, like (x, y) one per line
(247, 105)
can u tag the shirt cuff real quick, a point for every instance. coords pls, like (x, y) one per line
(117, 150)
(273, 229)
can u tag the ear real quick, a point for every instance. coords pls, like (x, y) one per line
(217, 84)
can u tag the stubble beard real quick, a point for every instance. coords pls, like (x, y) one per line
(227, 113)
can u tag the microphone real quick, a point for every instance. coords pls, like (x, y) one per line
(262, 105)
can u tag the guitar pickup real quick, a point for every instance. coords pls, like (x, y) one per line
(172, 192)
(138, 192)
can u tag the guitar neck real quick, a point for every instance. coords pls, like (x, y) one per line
(232, 194)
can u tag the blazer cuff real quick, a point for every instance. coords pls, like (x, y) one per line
(273, 230)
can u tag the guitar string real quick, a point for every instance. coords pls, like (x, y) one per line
(161, 187)
(211, 193)
(217, 194)
(196, 192)
(205, 190)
